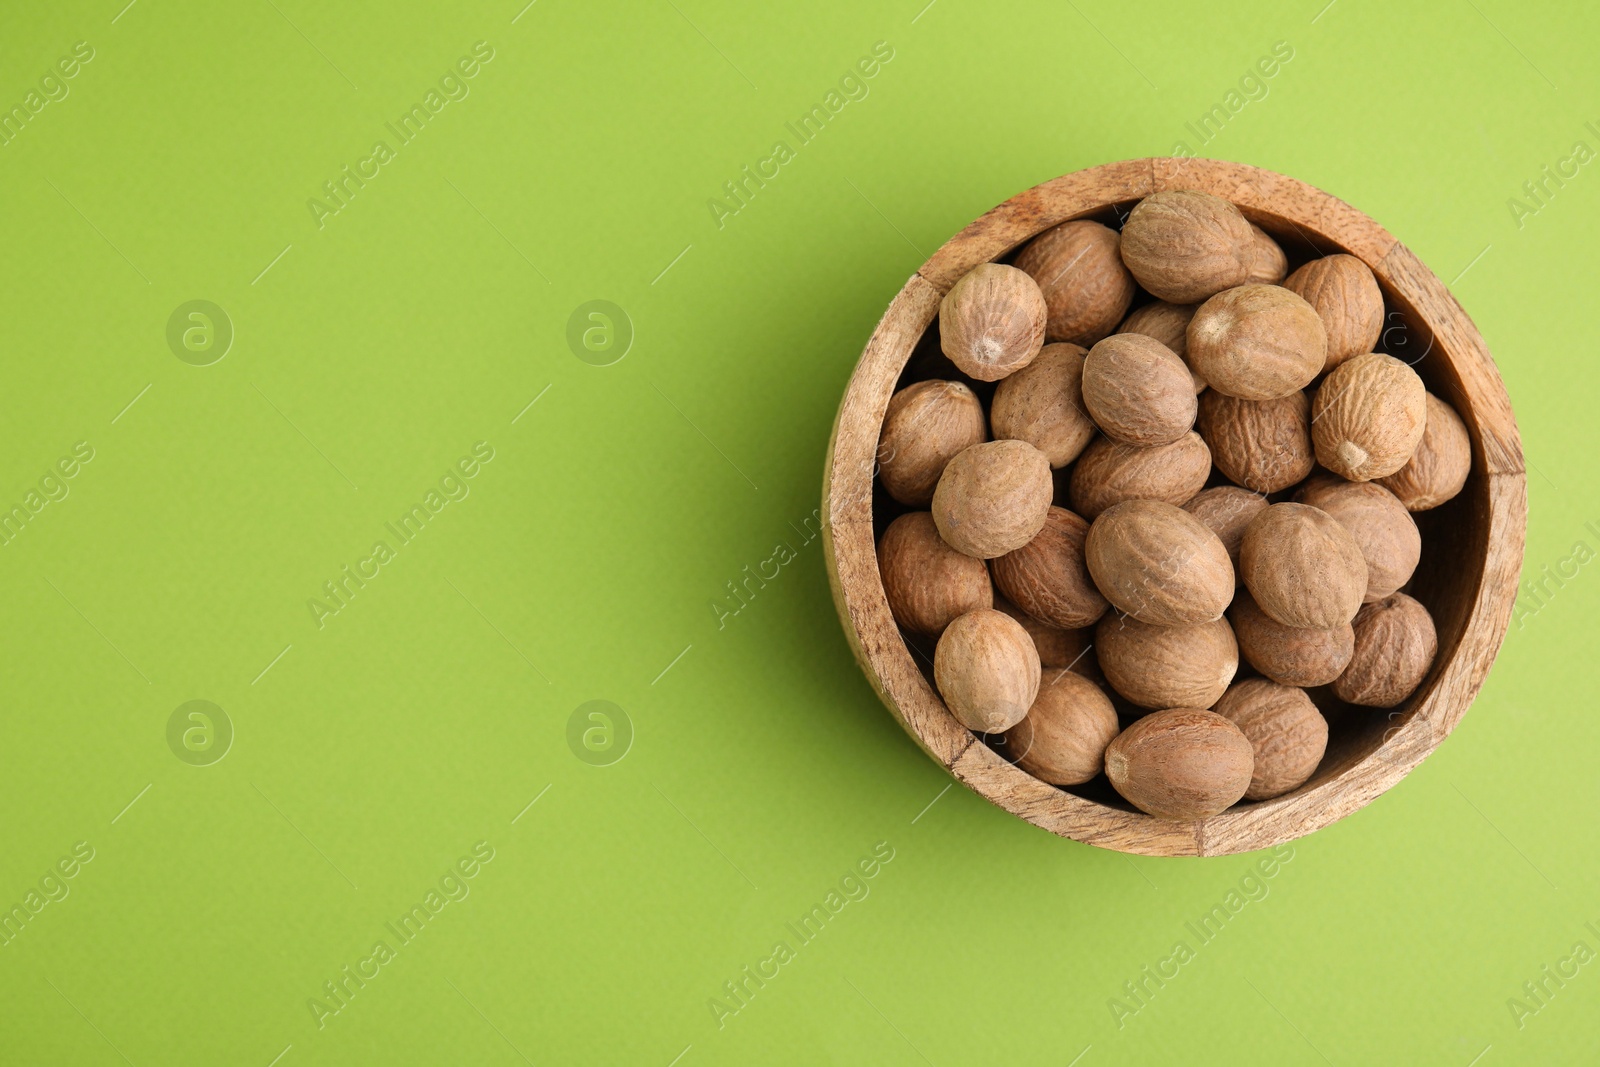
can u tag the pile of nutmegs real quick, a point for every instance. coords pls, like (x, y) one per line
(1238, 468)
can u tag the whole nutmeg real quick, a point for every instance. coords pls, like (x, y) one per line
(1381, 525)
(1042, 404)
(1167, 666)
(1263, 445)
(1287, 734)
(926, 425)
(991, 322)
(987, 670)
(1368, 417)
(1063, 738)
(1290, 655)
(1302, 566)
(1159, 563)
(1439, 467)
(1257, 342)
(1347, 297)
(1184, 246)
(1069, 649)
(1395, 646)
(1226, 511)
(1169, 324)
(1110, 472)
(926, 582)
(1182, 763)
(993, 498)
(1047, 577)
(1138, 391)
(1268, 263)
(1078, 268)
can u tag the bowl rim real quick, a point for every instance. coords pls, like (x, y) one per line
(1277, 202)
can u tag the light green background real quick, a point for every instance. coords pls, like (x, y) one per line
(371, 354)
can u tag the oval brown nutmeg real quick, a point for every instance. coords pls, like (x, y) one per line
(1268, 264)
(928, 583)
(1069, 649)
(1346, 296)
(1287, 734)
(1184, 246)
(1226, 511)
(1302, 566)
(1368, 417)
(1394, 649)
(1159, 563)
(1047, 577)
(1042, 404)
(926, 425)
(991, 322)
(1138, 391)
(1087, 289)
(987, 670)
(1063, 738)
(1182, 763)
(1264, 445)
(1169, 324)
(1110, 472)
(993, 498)
(1290, 655)
(1438, 469)
(1167, 666)
(1381, 525)
(1257, 342)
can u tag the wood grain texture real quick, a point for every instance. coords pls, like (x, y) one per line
(1472, 594)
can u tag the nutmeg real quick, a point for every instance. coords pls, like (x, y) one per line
(1110, 472)
(926, 425)
(991, 322)
(1182, 763)
(1345, 294)
(1079, 269)
(993, 498)
(1047, 577)
(1290, 655)
(1301, 565)
(1368, 417)
(1185, 246)
(1268, 263)
(987, 670)
(1138, 391)
(1263, 445)
(1439, 467)
(1394, 649)
(1042, 404)
(1226, 511)
(1169, 324)
(1287, 734)
(926, 582)
(1381, 525)
(1069, 649)
(1063, 738)
(1159, 563)
(1167, 666)
(1257, 342)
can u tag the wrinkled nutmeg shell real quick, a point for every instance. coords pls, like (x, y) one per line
(1439, 467)
(1345, 294)
(1226, 511)
(1290, 655)
(1042, 404)
(1159, 563)
(987, 670)
(1287, 734)
(1182, 763)
(1257, 342)
(1087, 289)
(1302, 566)
(1047, 577)
(1368, 417)
(991, 322)
(928, 583)
(1394, 649)
(1381, 525)
(1268, 263)
(1169, 324)
(1110, 472)
(1264, 445)
(1167, 666)
(1069, 649)
(1063, 738)
(1184, 246)
(1138, 391)
(993, 498)
(926, 425)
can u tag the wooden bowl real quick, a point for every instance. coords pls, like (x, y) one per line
(1472, 544)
